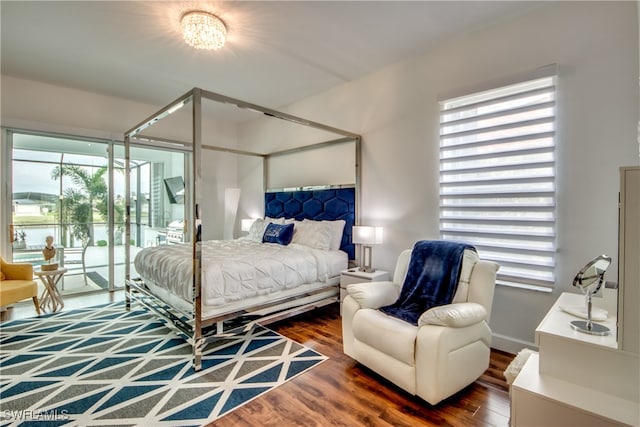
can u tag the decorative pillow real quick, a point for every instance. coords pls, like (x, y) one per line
(277, 233)
(315, 234)
(257, 230)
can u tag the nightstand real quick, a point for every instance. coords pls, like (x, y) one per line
(354, 275)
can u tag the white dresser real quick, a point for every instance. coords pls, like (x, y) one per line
(629, 259)
(577, 379)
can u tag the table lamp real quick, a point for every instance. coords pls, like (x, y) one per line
(367, 236)
(246, 223)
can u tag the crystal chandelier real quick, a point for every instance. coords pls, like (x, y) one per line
(203, 30)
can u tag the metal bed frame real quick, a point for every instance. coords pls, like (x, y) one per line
(191, 325)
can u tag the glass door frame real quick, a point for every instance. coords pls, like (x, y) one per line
(6, 184)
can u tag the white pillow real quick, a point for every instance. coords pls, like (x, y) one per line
(336, 229)
(257, 230)
(296, 229)
(314, 234)
(274, 220)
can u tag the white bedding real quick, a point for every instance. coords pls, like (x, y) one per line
(233, 270)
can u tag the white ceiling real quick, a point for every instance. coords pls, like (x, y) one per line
(277, 52)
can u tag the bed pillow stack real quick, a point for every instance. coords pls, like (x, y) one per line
(270, 230)
(323, 235)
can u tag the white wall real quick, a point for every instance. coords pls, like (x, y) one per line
(60, 109)
(310, 167)
(39, 106)
(323, 165)
(595, 45)
(42, 106)
(215, 181)
(251, 180)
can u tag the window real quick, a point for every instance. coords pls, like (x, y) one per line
(497, 178)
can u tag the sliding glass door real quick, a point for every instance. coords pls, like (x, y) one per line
(151, 211)
(73, 189)
(60, 188)
(157, 196)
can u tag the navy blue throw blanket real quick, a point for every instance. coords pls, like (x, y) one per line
(432, 279)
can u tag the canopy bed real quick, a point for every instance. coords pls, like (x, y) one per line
(289, 263)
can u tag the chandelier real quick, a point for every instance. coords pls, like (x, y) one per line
(203, 30)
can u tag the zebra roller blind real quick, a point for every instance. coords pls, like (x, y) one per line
(497, 178)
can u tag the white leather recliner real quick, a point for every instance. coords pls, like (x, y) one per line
(448, 350)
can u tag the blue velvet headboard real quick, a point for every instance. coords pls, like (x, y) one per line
(330, 204)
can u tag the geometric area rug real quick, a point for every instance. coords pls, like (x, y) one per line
(106, 366)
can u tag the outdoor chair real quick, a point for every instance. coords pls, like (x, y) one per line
(77, 256)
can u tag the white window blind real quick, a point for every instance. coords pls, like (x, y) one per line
(497, 178)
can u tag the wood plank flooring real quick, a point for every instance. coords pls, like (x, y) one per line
(341, 392)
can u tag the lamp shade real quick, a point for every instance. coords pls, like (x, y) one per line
(367, 235)
(246, 223)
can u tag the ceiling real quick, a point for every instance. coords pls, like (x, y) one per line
(277, 52)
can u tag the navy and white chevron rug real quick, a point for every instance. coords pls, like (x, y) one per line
(106, 366)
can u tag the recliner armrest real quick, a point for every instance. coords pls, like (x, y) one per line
(374, 294)
(457, 315)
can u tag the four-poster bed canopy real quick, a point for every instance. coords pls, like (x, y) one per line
(312, 209)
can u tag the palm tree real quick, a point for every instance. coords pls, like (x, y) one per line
(68, 217)
(77, 206)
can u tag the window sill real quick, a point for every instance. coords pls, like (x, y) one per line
(526, 287)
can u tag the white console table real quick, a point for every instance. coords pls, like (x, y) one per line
(577, 379)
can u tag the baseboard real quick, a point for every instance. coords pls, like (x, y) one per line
(510, 344)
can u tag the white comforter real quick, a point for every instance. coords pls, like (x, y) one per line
(237, 269)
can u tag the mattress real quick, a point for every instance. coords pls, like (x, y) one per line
(234, 270)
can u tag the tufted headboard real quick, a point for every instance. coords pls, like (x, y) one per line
(329, 204)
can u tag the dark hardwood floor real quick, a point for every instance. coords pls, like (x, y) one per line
(341, 392)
